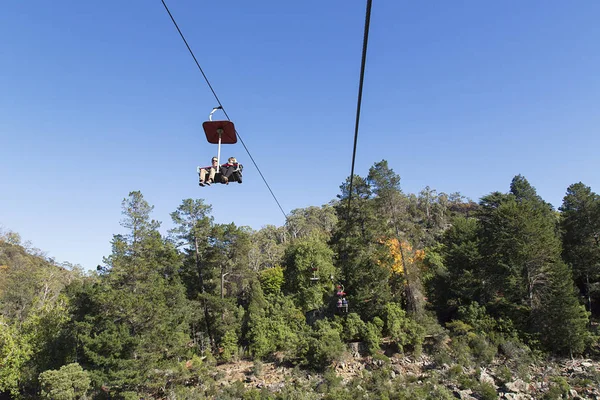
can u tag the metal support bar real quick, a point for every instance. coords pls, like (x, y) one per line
(220, 132)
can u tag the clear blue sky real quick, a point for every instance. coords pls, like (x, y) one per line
(102, 98)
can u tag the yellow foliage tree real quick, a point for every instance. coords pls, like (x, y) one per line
(399, 249)
(408, 264)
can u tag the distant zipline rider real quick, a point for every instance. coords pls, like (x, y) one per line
(220, 132)
(342, 302)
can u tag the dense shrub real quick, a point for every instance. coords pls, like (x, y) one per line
(372, 337)
(354, 326)
(229, 346)
(402, 329)
(325, 345)
(70, 382)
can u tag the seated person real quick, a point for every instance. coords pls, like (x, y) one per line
(232, 171)
(344, 305)
(211, 171)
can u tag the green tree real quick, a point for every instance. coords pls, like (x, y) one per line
(134, 320)
(256, 323)
(274, 324)
(192, 230)
(229, 277)
(268, 246)
(458, 279)
(389, 201)
(308, 272)
(524, 275)
(70, 382)
(312, 221)
(562, 321)
(325, 345)
(271, 280)
(358, 241)
(15, 351)
(402, 329)
(50, 334)
(520, 244)
(229, 344)
(192, 226)
(32, 304)
(580, 227)
(523, 191)
(391, 205)
(227, 258)
(137, 219)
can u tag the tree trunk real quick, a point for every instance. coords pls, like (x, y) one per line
(204, 305)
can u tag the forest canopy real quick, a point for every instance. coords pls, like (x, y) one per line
(388, 268)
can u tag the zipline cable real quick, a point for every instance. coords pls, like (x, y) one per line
(360, 89)
(223, 108)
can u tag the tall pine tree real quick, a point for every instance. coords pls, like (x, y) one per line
(580, 228)
(134, 319)
(526, 279)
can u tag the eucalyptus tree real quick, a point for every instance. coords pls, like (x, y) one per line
(267, 247)
(311, 221)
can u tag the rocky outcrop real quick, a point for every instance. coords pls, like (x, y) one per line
(576, 379)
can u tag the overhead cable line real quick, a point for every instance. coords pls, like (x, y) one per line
(360, 89)
(221, 106)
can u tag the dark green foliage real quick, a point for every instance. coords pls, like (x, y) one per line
(274, 324)
(486, 391)
(522, 190)
(353, 327)
(358, 242)
(458, 280)
(475, 336)
(402, 329)
(371, 335)
(562, 322)
(136, 313)
(580, 227)
(267, 247)
(325, 345)
(525, 279)
(257, 323)
(308, 271)
(331, 384)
